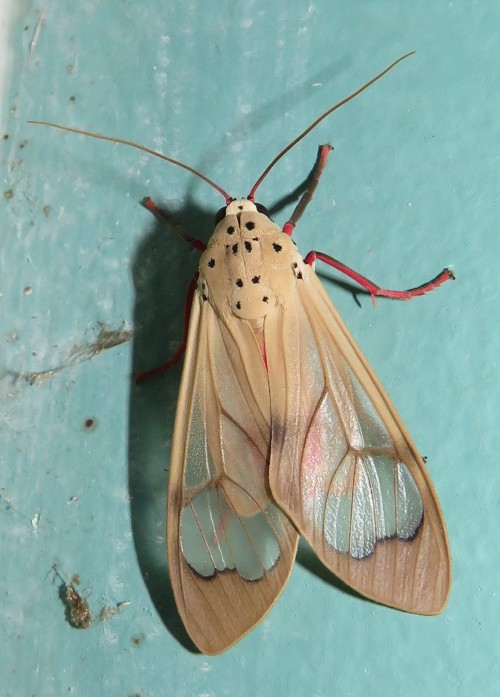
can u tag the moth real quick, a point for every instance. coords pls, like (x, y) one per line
(282, 429)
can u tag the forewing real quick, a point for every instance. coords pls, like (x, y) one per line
(343, 466)
(230, 548)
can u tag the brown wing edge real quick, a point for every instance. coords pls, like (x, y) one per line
(219, 611)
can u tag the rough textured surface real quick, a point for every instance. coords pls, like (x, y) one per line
(412, 186)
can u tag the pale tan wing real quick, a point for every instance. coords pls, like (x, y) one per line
(343, 466)
(230, 548)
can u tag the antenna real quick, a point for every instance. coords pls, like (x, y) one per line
(122, 141)
(278, 157)
(228, 198)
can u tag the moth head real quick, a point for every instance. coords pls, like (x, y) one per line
(239, 205)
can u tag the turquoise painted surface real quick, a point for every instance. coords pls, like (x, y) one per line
(412, 186)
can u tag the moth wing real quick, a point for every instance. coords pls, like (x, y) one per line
(342, 464)
(230, 548)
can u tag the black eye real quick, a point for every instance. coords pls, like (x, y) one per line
(220, 215)
(262, 209)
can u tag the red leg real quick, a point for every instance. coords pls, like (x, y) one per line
(371, 287)
(320, 165)
(161, 215)
(177, 355)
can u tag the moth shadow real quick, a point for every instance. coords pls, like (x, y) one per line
(307, 558)
(163, 266)
(348, 286)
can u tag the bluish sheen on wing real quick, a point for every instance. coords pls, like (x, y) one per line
(384, 502)
(358, 490)
(214, 538)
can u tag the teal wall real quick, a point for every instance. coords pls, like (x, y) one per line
(412, 186)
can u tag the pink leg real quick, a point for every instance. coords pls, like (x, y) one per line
(372, 288)
(164, 217)
(177, 355)
(320, 165)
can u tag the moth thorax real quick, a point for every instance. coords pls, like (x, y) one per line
(252, 301)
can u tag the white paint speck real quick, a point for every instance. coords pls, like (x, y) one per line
(35, 522)
(161, 79)
(36, 34)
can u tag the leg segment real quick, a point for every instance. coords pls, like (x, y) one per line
(177, 355)
(372, 288)
(161, 215)
(320, 165)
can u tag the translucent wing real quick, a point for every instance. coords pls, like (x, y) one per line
(342, 465)
(230, 548)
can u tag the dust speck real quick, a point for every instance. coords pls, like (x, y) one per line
(137, 639)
